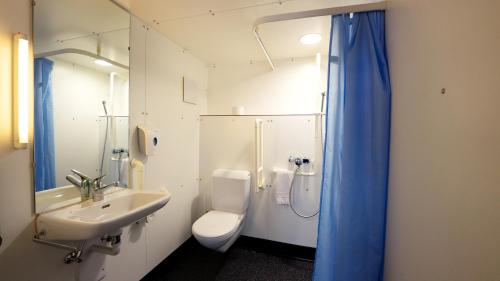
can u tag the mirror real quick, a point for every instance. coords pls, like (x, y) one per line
(81, 96)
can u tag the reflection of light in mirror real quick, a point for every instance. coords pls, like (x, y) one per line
(102, 62)
(310, 39)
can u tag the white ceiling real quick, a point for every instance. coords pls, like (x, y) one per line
(282, 38)
(220, 31)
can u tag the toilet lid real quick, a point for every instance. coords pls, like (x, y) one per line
(216, 224)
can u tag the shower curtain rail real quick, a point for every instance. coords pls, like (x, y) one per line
(257, 115)
(80, 52)
(309, 14)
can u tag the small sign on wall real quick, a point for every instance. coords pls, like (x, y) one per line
(189, 90)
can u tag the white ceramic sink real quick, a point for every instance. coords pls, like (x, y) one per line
(90, 219)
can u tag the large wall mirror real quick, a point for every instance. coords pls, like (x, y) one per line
(81, 97)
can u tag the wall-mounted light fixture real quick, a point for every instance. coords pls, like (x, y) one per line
(20, 89)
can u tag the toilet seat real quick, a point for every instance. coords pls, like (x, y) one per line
(218, 230)
(216, 225)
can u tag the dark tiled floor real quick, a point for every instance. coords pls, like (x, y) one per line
(192, 262)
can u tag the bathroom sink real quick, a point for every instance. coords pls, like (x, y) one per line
(90, 219)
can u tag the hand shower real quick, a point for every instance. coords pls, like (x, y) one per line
(298, 162)
(105, 109)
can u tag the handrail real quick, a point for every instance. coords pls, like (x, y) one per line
(259, 154)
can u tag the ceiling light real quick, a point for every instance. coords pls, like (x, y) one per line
(102, 62)
(310, 39)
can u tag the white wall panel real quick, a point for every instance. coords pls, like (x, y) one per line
(295, 87)
(444, 195)
(175, 163)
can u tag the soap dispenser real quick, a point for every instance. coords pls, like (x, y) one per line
(148, 140)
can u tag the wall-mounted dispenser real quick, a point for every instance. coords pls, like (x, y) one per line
(148, 140)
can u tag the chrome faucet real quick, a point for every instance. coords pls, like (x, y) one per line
(89, 188)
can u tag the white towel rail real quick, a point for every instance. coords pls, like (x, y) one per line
(259, 154)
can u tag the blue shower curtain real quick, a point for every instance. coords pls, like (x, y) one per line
(351, 233)
(45, 175)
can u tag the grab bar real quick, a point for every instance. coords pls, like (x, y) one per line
(259, 154)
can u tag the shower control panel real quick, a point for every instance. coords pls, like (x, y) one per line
(299, 161)
(303, 165)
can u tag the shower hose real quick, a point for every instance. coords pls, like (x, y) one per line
(291, 198)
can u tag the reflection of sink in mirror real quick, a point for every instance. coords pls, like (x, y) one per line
(90, 219)
(56, 197)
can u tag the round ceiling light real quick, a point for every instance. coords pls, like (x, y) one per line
(310, 39)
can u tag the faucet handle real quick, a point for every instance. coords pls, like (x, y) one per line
(96, 183)
(116, 183)
(99, 178)
(72, 179)
(98, 193)
(80, 174)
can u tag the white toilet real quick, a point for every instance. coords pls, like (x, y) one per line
(219, 228)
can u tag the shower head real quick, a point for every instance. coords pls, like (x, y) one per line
(105, 109)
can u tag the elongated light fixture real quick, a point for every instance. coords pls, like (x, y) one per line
(20, 90)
